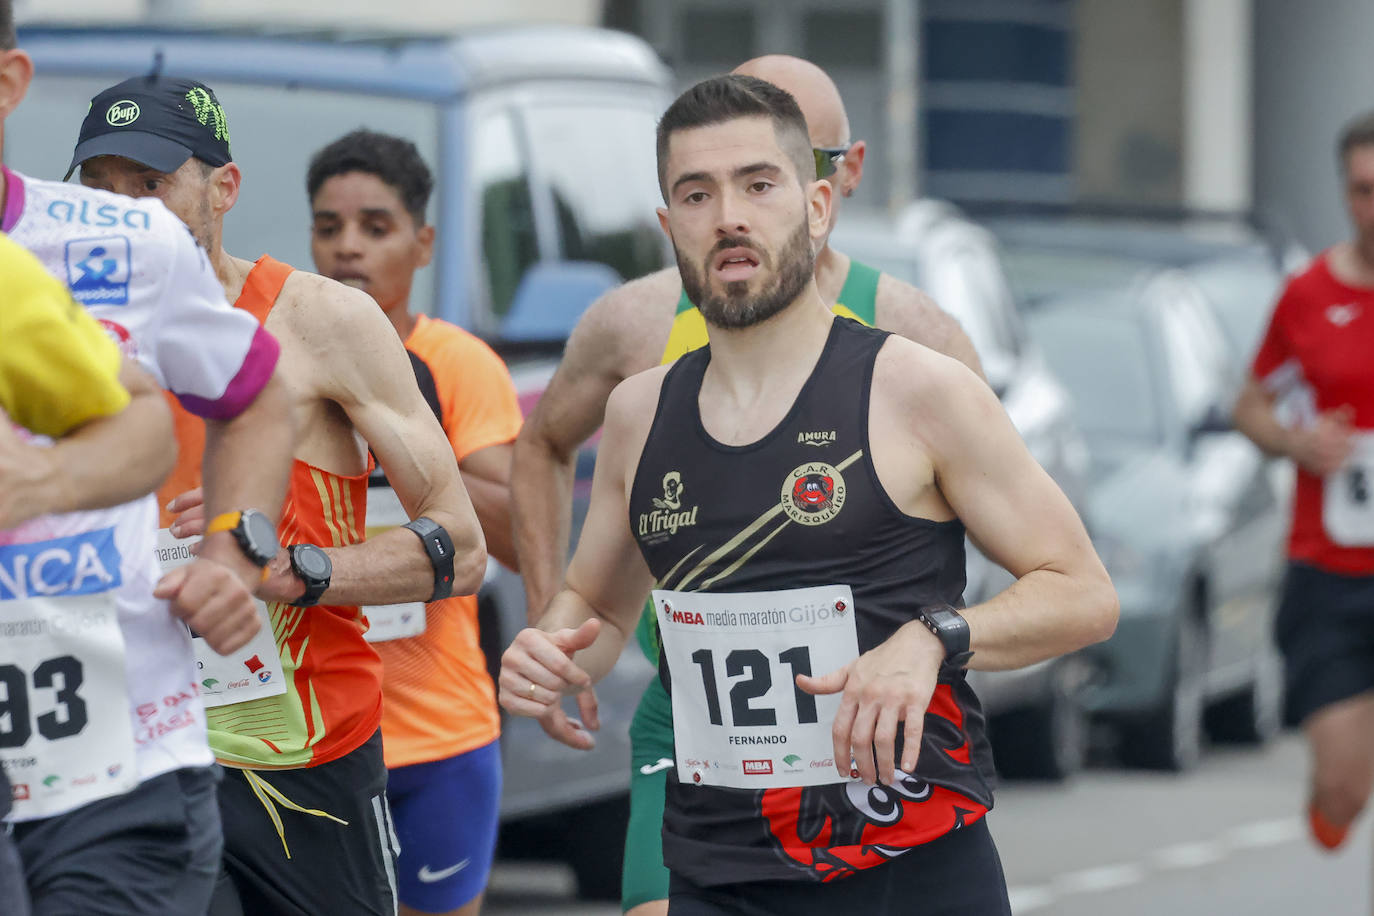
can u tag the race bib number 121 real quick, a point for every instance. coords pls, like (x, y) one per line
(739, 719)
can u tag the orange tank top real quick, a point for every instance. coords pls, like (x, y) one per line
(333, 702)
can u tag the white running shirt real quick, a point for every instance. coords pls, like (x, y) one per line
(137, 269)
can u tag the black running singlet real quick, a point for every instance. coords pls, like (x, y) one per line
(803, 507)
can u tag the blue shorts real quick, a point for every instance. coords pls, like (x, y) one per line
(445, 814)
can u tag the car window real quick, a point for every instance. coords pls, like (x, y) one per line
(274, 131)
(1103, 362)
(599, 163)
(509, 242)
(1038, 274)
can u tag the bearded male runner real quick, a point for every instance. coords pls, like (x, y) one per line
(304, 807)
(642, 324)
(849, 772)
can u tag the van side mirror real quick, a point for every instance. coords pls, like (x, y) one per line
(551, 296)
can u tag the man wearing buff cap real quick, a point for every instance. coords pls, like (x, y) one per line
(830, 756)
(303, 802)
(650, 321)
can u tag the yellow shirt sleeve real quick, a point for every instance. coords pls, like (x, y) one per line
(58, 367)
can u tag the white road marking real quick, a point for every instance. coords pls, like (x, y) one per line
(1189, 855)
(1030, 898)
(1102, 878)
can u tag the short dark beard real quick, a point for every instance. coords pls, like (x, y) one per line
(733, 309)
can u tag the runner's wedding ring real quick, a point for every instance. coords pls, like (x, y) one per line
(531, 690)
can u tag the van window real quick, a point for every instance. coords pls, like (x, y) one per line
(509, 242)
(599, 162)
(273, 133)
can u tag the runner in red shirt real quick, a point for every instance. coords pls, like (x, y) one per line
(1317, 352)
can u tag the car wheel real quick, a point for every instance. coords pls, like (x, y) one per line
(1048, 741)
(1255, 715)
(1170, 738)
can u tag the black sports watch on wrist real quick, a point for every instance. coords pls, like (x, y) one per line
(313, 566)
(254, 532)
(950, 627)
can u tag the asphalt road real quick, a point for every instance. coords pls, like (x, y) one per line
(1225, 839)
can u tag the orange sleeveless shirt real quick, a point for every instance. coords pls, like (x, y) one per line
(333, 701)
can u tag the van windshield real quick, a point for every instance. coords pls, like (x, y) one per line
(273, 133)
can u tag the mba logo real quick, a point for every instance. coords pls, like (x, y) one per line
(758, 767)
(98, 270)
(83, 564)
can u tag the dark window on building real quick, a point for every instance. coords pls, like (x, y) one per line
(716, 36)
(853, 38)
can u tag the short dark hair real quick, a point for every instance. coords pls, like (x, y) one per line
(725, 98)
(394, 160)
(8, 40)
(1357, 132)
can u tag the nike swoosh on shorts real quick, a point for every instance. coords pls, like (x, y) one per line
(429, 877)
(651, 768)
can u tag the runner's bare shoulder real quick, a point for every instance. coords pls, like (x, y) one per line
(909, 311)
(626, 329)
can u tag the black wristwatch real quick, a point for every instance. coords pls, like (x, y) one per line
(950, 627)
(313, 567)
(254, 532)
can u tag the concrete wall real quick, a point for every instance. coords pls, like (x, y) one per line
(1313, 71)
(411, 15)
(1129, 63)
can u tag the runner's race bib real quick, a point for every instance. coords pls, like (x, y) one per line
(390, 621)
(65, 734)
(739, 719)
(252, 672)
(1348, 496)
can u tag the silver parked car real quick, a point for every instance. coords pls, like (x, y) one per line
(1182, 510)
(1036, 717)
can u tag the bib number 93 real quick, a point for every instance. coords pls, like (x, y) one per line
(63, 674)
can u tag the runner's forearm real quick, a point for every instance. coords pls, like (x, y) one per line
(393, 567)
(135, 440)
(492, 503)
(570, 610)
(1042, 615)
(541, 503)
(246, 466)
(1254, 416)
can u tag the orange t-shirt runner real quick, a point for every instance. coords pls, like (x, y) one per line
(438, 699)
(333, 699)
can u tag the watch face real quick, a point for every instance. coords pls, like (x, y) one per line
(312, 562)
(260, 534)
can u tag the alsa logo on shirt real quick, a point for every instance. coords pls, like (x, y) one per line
(105, 216)
(82, 564)
(1342, 315)
(813, 493)
(668, 515)
(98, 270)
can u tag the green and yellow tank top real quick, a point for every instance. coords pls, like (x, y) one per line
(858, 300)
